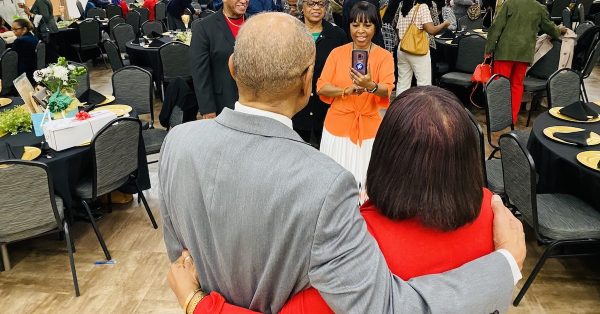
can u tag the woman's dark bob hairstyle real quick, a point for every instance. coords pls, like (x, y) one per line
(365, 12)
(425, 162)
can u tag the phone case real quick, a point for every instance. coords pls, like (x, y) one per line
(360, 60)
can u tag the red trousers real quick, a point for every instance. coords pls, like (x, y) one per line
(515, 72)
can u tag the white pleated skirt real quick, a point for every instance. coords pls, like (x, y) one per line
(352, 157)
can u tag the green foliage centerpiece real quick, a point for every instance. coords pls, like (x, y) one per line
(61, 79)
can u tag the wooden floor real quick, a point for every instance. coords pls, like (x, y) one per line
(40, 281)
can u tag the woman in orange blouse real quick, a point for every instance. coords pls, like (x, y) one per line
(353, 117)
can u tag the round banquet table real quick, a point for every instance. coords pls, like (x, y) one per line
(67, 167)
(556, 163)
(146, 57)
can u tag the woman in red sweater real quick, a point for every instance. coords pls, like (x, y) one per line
(426, 192)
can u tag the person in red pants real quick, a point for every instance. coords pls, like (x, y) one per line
(511, 42)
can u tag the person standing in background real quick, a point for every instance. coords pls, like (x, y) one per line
(308, 123)
(150, 4)
(46, 24)
(212, 43)
(511, 42)
(175, 9)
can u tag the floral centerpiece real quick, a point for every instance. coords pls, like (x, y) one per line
(61, 79)
(184, 37)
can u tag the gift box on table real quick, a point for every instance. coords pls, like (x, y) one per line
(70, 132)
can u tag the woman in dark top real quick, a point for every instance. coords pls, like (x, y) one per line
(25, 46)
(327, 36)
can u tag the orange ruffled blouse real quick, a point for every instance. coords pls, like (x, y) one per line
(356, 116)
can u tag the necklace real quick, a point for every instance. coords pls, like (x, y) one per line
(230, 22)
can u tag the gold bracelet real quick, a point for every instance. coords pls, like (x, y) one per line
(188, 299)
(198, 296)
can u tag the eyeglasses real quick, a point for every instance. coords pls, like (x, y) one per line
(17, 28)
(316, 5)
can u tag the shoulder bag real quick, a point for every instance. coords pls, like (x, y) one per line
(415, 41)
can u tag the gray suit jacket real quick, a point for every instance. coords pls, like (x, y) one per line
(265, 215)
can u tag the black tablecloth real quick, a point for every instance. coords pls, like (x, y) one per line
(67, 167)
(146, 57)
(557, 165)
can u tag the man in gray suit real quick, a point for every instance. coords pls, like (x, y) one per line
(264, 215)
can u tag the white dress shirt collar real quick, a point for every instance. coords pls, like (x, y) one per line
(263, 113)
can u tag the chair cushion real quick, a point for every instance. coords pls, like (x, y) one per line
(84, 187)
(457, 78)
(153, 139)
(495, 178)
(564, 216)
(532, 84)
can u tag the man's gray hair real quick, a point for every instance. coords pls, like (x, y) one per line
(272, 51)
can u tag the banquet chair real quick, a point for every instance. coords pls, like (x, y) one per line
(123, 33)
(591, 62)
(83, 81)
(582, 27)
(89, 39)
(8, 70)
(113, 54)
(2, 45)
(133, 86)
(114, 163)
(557, 8)
(112, 22)
(96, 13)
(30, 209)
(149, 26)
(113, 10)
(174, 62)
(491, 169)
(470, 54)
(538, 74)
(559, 221)
(469, 24)
(133, 18)
(40, 52)
(80, 9)
(498, 110)
(160, 11)
(144, 14)
(564, 88)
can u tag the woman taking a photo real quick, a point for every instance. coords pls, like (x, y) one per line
(355, 99)
(427, 197)
(409, 64)
(309, 122)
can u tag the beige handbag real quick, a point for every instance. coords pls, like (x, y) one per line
(415, 41)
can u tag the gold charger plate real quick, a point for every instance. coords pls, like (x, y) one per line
(119, 110)
(549, 132)
(31, 153)
(449, 42)
(478, 30)
(554, 111)
(5, 102)
(589, 159)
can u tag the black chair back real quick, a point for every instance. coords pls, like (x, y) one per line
(89, 33)
(564, 88)
(9, 72)
(123, 33)
(113, 10)
(2, 45)
(468, 24)
(591, 61)
(40, 52)
(133, 19)
(80, 8)
(582, 27)
(548, 64)
(115, 154)
(96, 12)
(83, 81)
(149, 26)
(480, 144)
(581, 13)
(557, 8)
(498, 110)
(114, 56)
(144, 14)
(133, 86)
(174, 59)
(470, 53)
(205, 13)
(160, 11)
(114, 21)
